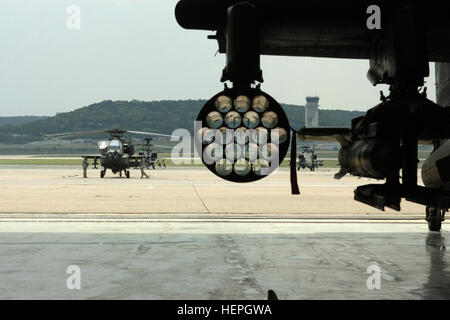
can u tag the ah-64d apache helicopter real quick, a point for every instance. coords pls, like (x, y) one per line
(151, 158)
(308, 159)
(118, 153)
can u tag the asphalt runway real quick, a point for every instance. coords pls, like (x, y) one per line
(185, 234)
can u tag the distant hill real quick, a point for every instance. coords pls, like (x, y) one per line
(155, 116)
(19, 120)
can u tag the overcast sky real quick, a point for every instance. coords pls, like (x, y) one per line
(134, 49)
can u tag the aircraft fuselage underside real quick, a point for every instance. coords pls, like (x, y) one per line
(385, 141)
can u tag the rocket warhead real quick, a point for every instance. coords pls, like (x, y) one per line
(251, 134)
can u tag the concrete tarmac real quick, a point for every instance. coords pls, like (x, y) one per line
(186, 234)
(193, 258)
(38, 189)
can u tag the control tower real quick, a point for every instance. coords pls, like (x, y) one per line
(312, 112)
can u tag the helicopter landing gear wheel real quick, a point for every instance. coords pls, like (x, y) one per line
(435, 216)
(102, 174)
(127, 173)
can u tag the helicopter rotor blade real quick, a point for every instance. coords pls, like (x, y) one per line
(111, 132)
(154, 134)
(153, 145)
(72, 134)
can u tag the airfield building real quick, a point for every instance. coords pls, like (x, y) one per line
(312, 112)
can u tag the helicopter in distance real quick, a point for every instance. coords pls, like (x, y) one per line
(118, 154)
(308, 159)
(151, 158)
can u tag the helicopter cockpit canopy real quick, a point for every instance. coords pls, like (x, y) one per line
(114, 145)
(103, 146)
(308, 157)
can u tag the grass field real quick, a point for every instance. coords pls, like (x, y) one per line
(44, 162)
